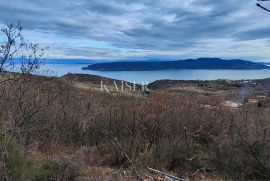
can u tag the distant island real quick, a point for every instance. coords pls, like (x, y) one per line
(200, 63)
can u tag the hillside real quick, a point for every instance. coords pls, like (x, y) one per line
(96, 83)
(200, 63)
(72, 130)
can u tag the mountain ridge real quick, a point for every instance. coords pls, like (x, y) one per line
(200, 63)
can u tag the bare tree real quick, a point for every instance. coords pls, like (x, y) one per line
(15, 49)
(28, 56)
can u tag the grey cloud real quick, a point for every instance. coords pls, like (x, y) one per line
(157, 25)
(254, 34)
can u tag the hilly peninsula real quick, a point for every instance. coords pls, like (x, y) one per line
(200, 63)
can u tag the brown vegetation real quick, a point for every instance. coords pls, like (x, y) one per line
(46, 115)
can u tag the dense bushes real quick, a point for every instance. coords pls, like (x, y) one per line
(51, 114)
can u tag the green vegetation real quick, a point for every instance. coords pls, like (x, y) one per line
(18, 166)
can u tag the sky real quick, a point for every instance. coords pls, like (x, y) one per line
(144, 29)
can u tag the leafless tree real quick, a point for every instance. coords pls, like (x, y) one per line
(18, 59)
(15, 50)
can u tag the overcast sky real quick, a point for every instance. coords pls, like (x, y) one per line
(144, 29)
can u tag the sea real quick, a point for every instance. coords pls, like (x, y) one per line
(60, 68)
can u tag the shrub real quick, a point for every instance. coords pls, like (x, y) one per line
(56, 170)
(15, 165)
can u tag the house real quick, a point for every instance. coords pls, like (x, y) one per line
(231, 104)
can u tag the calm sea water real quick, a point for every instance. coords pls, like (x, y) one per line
(150, 76)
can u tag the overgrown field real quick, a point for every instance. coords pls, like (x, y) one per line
(53, 129)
